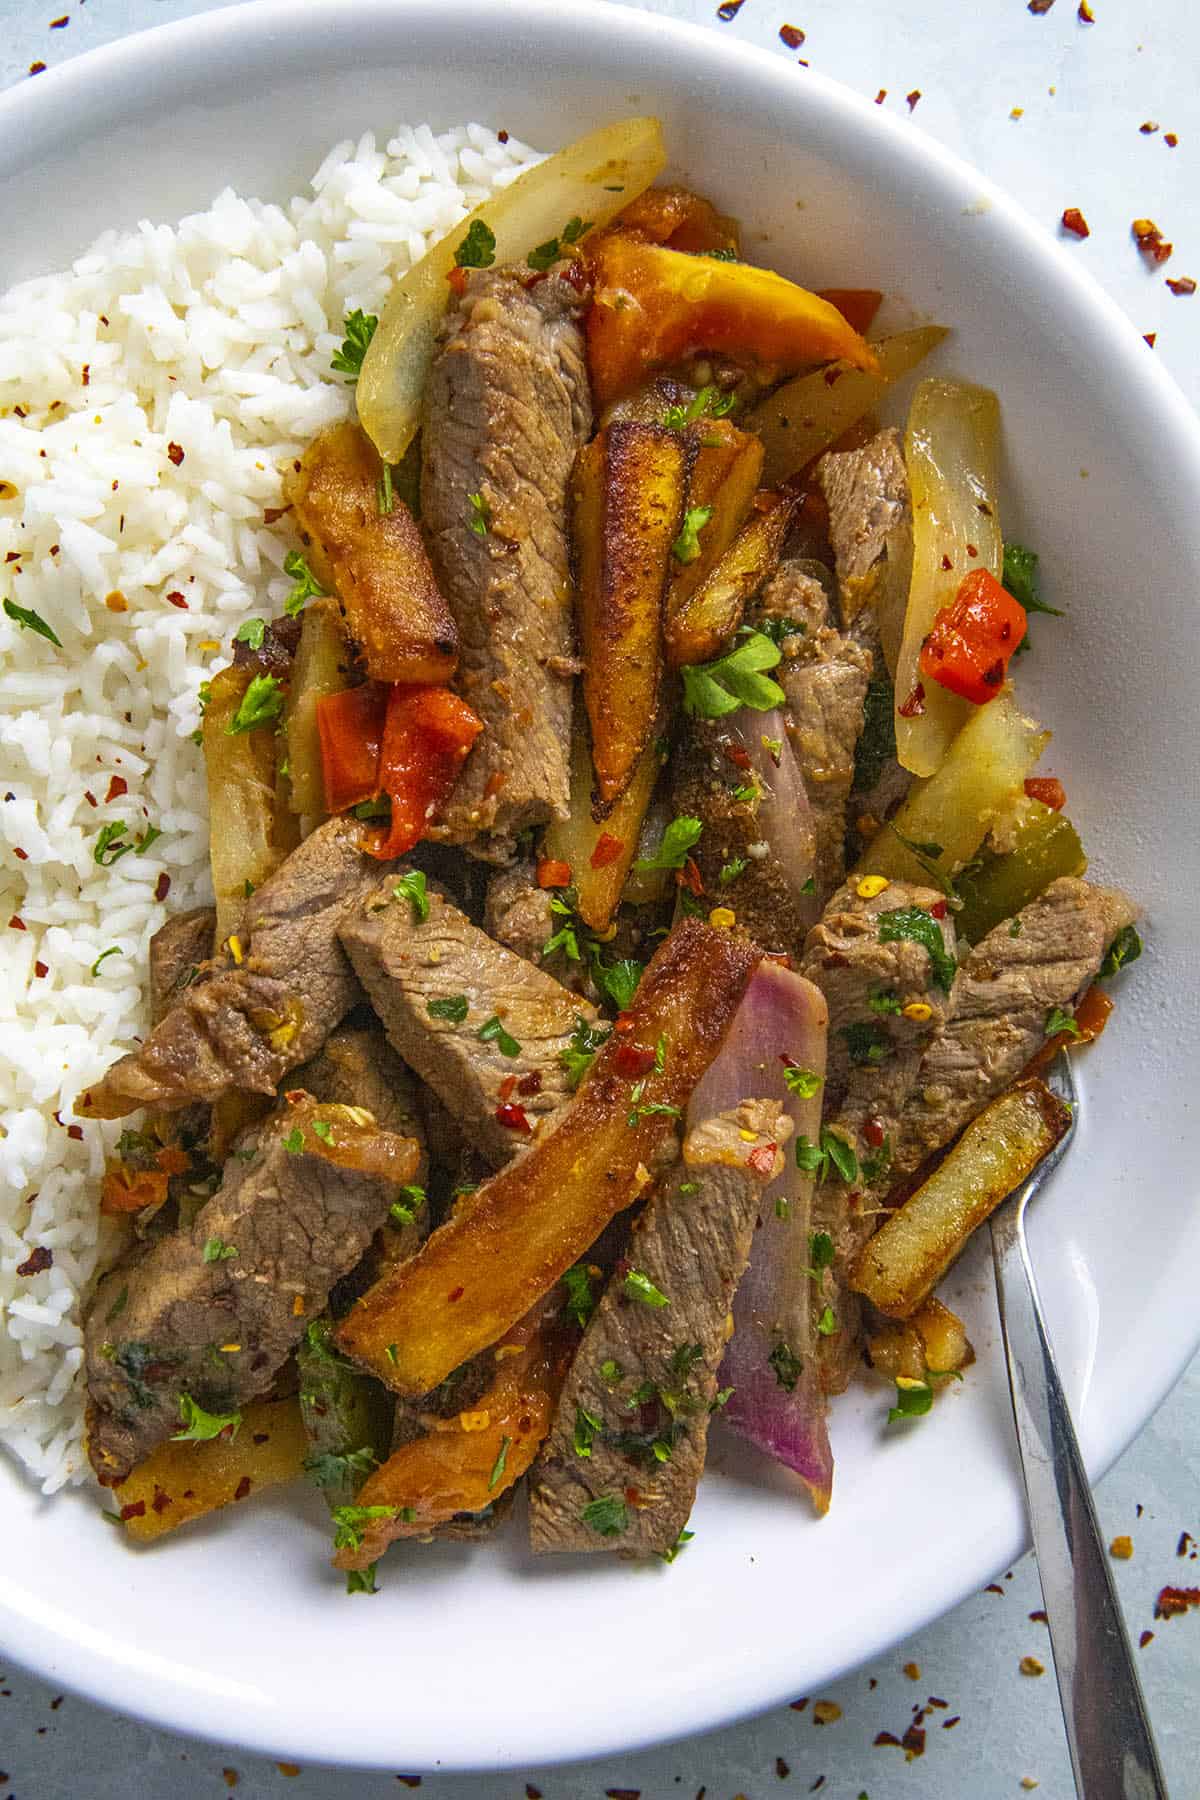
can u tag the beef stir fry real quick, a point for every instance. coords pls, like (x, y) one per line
(638, 926)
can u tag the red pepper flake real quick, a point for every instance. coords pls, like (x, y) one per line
(136, 1509)
(457, 279)
(76, 1132)
(633, 1060)
(1172, 1602)
(230, 1777)
(1149, 240)
(553, 874)
(623, 1022)
(689, 877)
(16, 923)
(608, 849)
(914, 706)
(874, 1133)
(41, 970)
(938, 909)
(798, 1705)
(881, 96)
(530, 1084)
(783, 1770)
(762, 1159)
(177, 599)
(1039, 1617)
(739, 757)
(1149, 126)
(116, 787)
(913, 98)
(37, 1261)
(993, 1587)
(913, 1742)
(455, 1294)
(37, 68)
(161, 1501)
(949, 1724)
(1048, 789)
(946, 563)
(1147, 1637)
(1186, 1542)
(792, 36)
(271, 513)
(627, 1793)
(13, 556)
(162, 886)
(1151, 338)
(508, 1087)
(242, 1488)
(729, 9)
(409, 1781)
(58, 24)
(535, 1795)
(513, 1118)
(1040, 6)
(531, 1792)
(288, 1768)
(885, 1737)
(1085, 15)
(1183, 284)
(1170, 139)
(1074, 222)
(175, 453)
(85, 374)
(21, 855)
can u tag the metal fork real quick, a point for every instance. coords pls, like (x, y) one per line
(1108, 1732)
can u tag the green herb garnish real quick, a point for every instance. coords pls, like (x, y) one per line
(1020, 577)
(786, 1366)
(217, 1250)
(500, 1463)
(479, 517)
(581, 1302)
(1057, 1020)
(586, 1427)
(294, 1141)
(199, 1426)
(362, 1581)
(713, 690)
(478, 248)
(414, 888)
(349, 1521)
(884, 1002)
(677, 840)
(493, 1032)
(1125, 948)
(261, 702)
(307, 587)
(638, 1286)
(606, 1515)
(920, 927)
(252, 632)
(403, 1212)
(802, 1082)
(29, 620)
(359, 328)
(323, 1129)
(581, 1050)
(326, 1470)
(681, 1542)
(686, 547)
(453, 1008)
(866, 1042)
(619, 980)
(113, 950)
(913, 1399)
(730, 871)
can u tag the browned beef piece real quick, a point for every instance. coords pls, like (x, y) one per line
(192, 1319)
(825, 676)
(177, 950)
(646, 1374)
(1002, 997)
(507, 406)
(245, 1024)
(875, 1055)
(408, 965)
(870, 524)
(518, 911)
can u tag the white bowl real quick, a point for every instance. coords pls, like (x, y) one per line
(238, 1630)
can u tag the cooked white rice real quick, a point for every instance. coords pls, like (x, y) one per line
(212, 337)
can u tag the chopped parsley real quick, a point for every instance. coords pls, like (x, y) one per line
(820, 1253)
(801, 1082)
(307, 587)
(611, 1371)
(875, 1166)
(866, 1041)
(581, 1049)
(549, 252)
(637, 1286)
(349, 1521)
(359, 329)
(884, 1002)
(454, 1008)
(618, 980)
(327, 1470)
(113, 950)
(926, 856)
(1057, 1020)
(586, 1427)
(479, 517)
(414, 888)
(385, 499)
(252, 632)
(581, 1301)
(28, 620)
(913, 1399)
(501, 1462)
(294, 1141)
(478, 248)
(199, 1426)
(746, 793)
(1020, 577)
(677, 840)
(362, 1581)
(786, 1366)
(731, 870)
(403, 1212)
(810, 886)
(681, 1542)
(606, 1515)
(721, 1398)
(1125, 948)
(566, 938)
(493, 1032)
(686, 547)
(110, 845)
(832, 1152)
(684, 1358)
(651, 1109)
(877, 745)
(217, 1250)
(827, 1323)
(714, 689)
(709, 403)
(323, 1129)
(1016, 927)
(373, 809)
(261, 702)
(920, 927)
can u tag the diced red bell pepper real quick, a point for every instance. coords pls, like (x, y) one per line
(1048, 789)
(426, 737)
(973, 639)
(350, 728)
(553, 874)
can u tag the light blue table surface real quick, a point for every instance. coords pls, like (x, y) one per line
(1083, 90)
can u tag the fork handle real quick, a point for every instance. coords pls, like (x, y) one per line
(1108, 1731)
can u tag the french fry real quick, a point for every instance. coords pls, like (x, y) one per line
(321, 667)
(629, 490)
(805, 416)
(909, 1254)
(182, 1481)
(931, 1346)
(702, 626)
(724, 477)
(246, 844)
(600, 854)
(484, 1269)
(365, 544)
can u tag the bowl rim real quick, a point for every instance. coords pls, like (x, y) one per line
(84, 90)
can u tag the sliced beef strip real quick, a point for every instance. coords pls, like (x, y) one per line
(870, 525)
(507, 406)
(177, 950)
(518, 911)
(245, 1024)
(873, 1064)
(693, 1246)
(406, 964)
(1001, 999)
(218, 1328)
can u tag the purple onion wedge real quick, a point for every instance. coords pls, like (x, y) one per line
(784, 815)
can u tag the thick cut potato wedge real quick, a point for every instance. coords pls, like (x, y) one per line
(374, 558)
(179, 1482)
(949, 815)
(652, 305)
(591, 179)
(248, 836)
(724, 478)
(600, 854)
(464, 1464)
(703, 625)
(321, 667)
(484, 1269)
(805, 416)
(931, 1346)
(629, 490)
(902, 1264)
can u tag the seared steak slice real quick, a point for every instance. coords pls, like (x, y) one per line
(297, 1212)
(436, 983)
(646, 1373)
(177, 950)
(870, 523)
(888, 1003)
(1046, 957)
(518, 911)
(244, 1024)
(507, 406)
